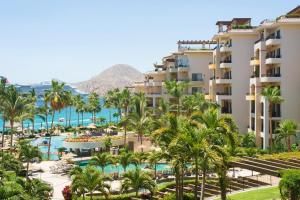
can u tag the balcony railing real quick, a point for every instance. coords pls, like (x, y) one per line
(271, 75)
(223, 93)
(276, 114)
(254, 58)
(272, 36)
(225, 61)
(273, 56)
(259, 40)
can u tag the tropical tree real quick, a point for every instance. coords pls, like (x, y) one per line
(94, 105)
(79, 107)
(3, 82)
(138, 179)
(272, 96)
(289, 184)
(286, 130)
(176, 89)
(89, 181)
(13, 104)
(28, 153)
(56, 95)
(153, 159)
(32, 111)
(125, 158)
(107, 143)
(101, 160)
(138, 158)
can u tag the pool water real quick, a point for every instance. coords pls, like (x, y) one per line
(56, 142)
(119, 169)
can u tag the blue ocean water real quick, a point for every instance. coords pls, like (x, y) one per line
(39, 123)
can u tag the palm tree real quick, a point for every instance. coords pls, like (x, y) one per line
(91, 180)
(108, 102)
(125, 158)
(101, 160)
(94, 105)
(32, 98)
(138, 179)
(3, 82)
(28, 152)
(107, 143)
(272, 95)
(56, 96)
(14, 104)
(79, 106)
(153, 158)
(176, 89)
(138, 158)
(286, 129)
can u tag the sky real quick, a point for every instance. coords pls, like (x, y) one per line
(73, 40)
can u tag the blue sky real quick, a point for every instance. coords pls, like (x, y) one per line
(73, 40)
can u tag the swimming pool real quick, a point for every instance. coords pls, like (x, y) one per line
(119, 169)
(56, 142)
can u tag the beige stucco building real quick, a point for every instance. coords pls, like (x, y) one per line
(230, 68)
(189, 63)
(275, 62)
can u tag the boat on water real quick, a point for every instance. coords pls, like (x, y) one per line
(61, 119)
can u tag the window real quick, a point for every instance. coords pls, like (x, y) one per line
(278, 36)
(196, 90)
(261, 125)
(252, 106)
(262, 109)
(197, 77)
(252, 123)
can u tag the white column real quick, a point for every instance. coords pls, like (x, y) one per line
(154, 102)
(266, 124)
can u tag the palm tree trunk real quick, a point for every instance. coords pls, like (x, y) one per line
(222, 183)
(11, 133)
(33, 121)
(91, 195)
(203, 181)
(22, 127)
(109, 115)
(81, 118)
(181, 182)
(49, 145)
(155, 172)
(136, 193)
(47, 126)
(197, 178)
(66, 122)
(27, 169)
(70, 115)
(177, 182)
(3, 130)
(289, 143)
(125, 135)
(270, 127)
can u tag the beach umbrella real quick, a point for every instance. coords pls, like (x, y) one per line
(92, 126)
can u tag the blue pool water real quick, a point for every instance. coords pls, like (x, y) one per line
(56, 142)
(119, 169)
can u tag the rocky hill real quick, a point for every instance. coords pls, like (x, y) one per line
(117, 76)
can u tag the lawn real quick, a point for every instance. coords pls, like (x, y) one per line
(259, 194)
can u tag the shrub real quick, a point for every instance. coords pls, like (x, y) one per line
(186, 196)
(289, 184)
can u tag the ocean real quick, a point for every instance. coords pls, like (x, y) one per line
(87, 117)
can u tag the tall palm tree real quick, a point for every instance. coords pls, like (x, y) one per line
(3, 82)
(176, 89)
(14, 104)
(56, 96)
(101, 160)
(138, 158)
(138, 179)
(27, 153)
(108, 102)
(125, 158)
(94, 105)
(91, 180)
(272, 96)
(79, 106)
(153, 159)
(286, 130)
(32, 111)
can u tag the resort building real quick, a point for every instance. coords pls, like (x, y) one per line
(189, 63)
(275, 62)
(230, 68)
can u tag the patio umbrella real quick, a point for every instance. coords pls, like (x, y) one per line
(92, 126)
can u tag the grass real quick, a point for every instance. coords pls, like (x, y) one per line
(270, 193)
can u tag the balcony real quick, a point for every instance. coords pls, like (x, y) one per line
(225, 79)
(270, 78)
(224, 49)
(153, 94)
(225, 64)
(212, 66)
(173, 70)
(195, 82)
(254, 61)
(273, 40)
(183, 68)
(250, 97)
(223, 96)
(259, 44)
(273, 59)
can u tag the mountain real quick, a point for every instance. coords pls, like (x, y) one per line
(117, 76)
